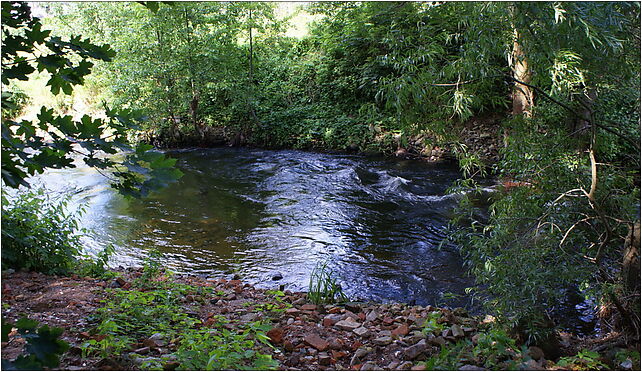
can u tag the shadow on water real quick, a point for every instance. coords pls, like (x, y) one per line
(377, 223)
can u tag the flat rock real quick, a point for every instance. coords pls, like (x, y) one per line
(470, 367)
(402, 330)
(457, 331)
(362, 331)
(382, 341)
(353, 306)
(316, 342)
(324, 359)
(372, 316)
(369, 366)
(348, 324)
(275, 335)
(415, 350)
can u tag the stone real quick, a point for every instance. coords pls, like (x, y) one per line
(470, 367)
(392, 365)
(457, 331)
(250, 317)
(415, 350)
(360, 353)
(420, 367)
(309, 307)
(142, 350)
(275, 335)
(536, 353)
(324, 359)
(384, 332)
(369, 366)
(288, 345)
(277, 276)
(533, 365)
(372, 316)
(291, 311)
(348, 324)
(405, 366)
(402, 330)
(415, 337)
(353, 306)
(316, 342)
(437, 341)
(382, 341)
(362, 332)
(171, 365)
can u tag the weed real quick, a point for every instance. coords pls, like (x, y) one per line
(97, 267)
(323, 287)
(584, 360)
(222, 349)
(432, 324)
(151, 268)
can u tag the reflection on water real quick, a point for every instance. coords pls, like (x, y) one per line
(377, 222)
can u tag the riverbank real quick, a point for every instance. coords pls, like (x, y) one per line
(480, 136)
(298, 335)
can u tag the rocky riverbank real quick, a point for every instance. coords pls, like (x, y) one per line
(302, 335)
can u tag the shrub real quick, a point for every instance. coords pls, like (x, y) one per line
(39, 233)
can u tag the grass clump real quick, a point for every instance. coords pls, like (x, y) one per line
(323, 288)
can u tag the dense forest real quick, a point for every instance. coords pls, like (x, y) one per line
(541, 98)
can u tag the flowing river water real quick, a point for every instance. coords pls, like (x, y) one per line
(377, 223)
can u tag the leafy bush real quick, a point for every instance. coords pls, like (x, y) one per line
(43, 346)
(39, 233)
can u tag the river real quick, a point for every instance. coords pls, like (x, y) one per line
(376, 222)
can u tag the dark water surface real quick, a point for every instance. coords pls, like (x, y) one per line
(378, 223)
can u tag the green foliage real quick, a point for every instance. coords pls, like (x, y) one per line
(31, 147)
(43, 346)
(152, 267)
(97, 267)
(432, 324)
(584, 361)
(129, 315)
(494, 350)
(39, 233)
(323, 288)
(218, 348)
(14, 100)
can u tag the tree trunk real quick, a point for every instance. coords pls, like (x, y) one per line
(250, 100)
(631, 261)
(192, 76)
(522, 95)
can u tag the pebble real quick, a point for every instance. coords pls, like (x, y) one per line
(360, 353)
(369, 366)
(415, 350)
(362, 332)
(382, 341)
(457, 331)
(324, 359)
(348, 324)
